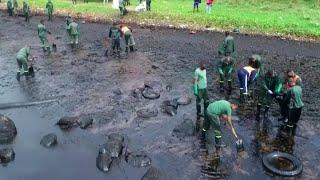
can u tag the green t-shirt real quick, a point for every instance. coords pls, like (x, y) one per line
(219, 108)
(201, 78)
(295, 94)
(73, 28)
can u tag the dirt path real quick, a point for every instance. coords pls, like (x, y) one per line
(85, 81)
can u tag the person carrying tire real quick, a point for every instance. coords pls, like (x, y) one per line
(10, 7)
(295, 106)
(114, 35)
(268, 86)
(228, 47)
(22, 60)
(225, 70)
(200, 91)
(148, 4)
(26, 11)
(215, 111)
(128, 37)
(49, 8)
(73, 28)
(43, 36)
(246, 76)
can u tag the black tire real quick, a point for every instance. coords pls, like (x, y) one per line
(295, 164)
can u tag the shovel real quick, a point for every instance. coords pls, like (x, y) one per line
(239, 143)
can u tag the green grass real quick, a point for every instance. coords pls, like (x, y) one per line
(297, 18)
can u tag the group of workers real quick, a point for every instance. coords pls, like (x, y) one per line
(262, 87)
(12, 8)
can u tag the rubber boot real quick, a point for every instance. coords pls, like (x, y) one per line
(131, 49)
(258, 112)
(266, 112)
(198, 124)
(106, 53)
(229, 87)
(126, 49)
(221, 86)
(18, 76)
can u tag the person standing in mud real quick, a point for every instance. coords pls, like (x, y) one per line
(73, 28)
(268, 86)
(22, 60)
(257, 63)
(225, 70)
(200, 91)
(43, 36)
(26, 10)
(228, 47)
(15, 7)
(49, 8)
(114, 35)
(215, 111)
(295, 106)
(148, 4)
(128, 37)
(281, 99)
(10, 7)
(246, 76)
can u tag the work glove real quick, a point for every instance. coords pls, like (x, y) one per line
(270, 92)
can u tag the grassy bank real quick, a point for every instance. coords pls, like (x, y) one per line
(296, 18)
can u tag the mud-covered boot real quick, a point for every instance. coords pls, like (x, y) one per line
(18, 76)
(266, 112)
(258, 112)
(106, 53)
(229, 87)
(198, 124)
(221, 87)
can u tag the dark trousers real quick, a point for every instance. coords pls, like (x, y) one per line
(294, 116)
(148, 5)
(115, 45)
(283, 104)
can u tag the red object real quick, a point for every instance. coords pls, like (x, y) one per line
(210, 2)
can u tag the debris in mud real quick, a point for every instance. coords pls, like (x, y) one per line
(155, 85)
(8, 130)
(6, 155)
(186, 128)
(139, 159)
(110, 151)
(149, 93)
(85, 122)
(114, 145)
(147, 113)
(184, 100)
(49, 140)
(103, 160)
(67, 122)
(170, 107)
(152, 174)
(136, 93)
(117, 92)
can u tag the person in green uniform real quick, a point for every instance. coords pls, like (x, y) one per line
(268, 87)
(43, 36)
(26, 10)
(128, 37)
(282, 100)
(200, 91)
(225, 70)
(15, 7)
(68, 22)
(295, 106)
(74, 33)
(148, 4)
(215, 111)
(228, 47)
(49, 7)
(22, 60)
(114, 35)
(121, 7)
(257, 63)
(10, 7)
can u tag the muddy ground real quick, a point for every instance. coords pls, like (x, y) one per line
(84, 82)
